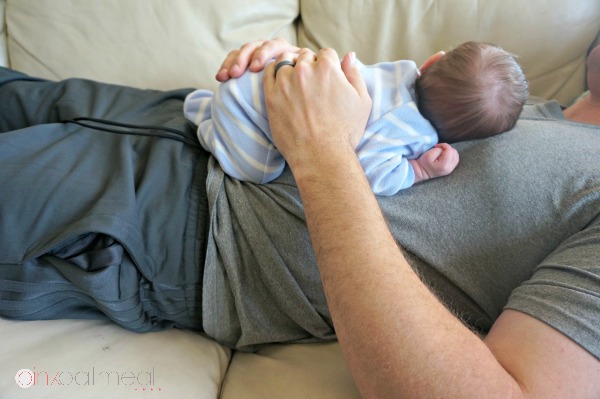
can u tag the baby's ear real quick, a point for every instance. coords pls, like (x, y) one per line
(432, 60)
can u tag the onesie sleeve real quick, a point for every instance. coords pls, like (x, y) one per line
(396, 131)
(388, 145)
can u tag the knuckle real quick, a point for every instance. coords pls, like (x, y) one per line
(328, 51)
(260, 52)
(250, 46)
(269, 101)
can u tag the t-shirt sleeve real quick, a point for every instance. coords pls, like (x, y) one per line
(564, 290)
(389, 143)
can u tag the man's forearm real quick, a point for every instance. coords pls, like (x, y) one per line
(398, 338)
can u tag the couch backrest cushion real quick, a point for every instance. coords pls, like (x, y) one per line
(550, 37)
(3, 53)
(143, 43)
(166, 44)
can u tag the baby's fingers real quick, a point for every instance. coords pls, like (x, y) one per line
(447, 160)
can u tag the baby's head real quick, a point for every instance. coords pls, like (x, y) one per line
(476, 90)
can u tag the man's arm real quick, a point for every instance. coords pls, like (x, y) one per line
(399, 340)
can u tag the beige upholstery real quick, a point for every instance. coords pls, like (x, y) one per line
(158, 44)
(3, 53)
(550, 37)
(298, 371)
(143, 43)
(94, 359)
(180, 43)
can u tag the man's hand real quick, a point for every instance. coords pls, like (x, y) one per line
(316, 108)
(254, 56)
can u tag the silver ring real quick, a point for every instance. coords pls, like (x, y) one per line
(283, 63)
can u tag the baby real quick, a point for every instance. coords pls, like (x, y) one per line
(476, 90)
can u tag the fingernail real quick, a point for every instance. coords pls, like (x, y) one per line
(352, 58)
(255, 64)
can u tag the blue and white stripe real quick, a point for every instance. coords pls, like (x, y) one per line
(233, 126)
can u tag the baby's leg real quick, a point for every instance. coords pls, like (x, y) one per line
(587, 109)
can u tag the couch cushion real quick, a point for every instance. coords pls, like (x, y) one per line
(143, 43)
(97, 359)
(291, 371)
(3, 53)
(550, 37)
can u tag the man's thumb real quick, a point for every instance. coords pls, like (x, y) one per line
(353, 74)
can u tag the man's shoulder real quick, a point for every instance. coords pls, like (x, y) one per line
(538, 108)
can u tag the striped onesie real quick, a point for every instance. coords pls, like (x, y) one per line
(233, 127)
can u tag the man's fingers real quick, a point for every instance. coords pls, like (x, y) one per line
(353, 74)
(275, 68)
(268, 50)
(284, 63)
(254, 56)
(237, 61)
(306, 55)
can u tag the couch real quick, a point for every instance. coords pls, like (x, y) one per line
(162, 44)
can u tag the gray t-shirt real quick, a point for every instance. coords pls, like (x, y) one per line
(515, 225)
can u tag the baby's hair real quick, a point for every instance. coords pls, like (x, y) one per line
(476, 90)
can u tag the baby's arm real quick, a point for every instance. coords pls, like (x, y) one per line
(439, 161)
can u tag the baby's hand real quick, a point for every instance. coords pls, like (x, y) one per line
(439, 161)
